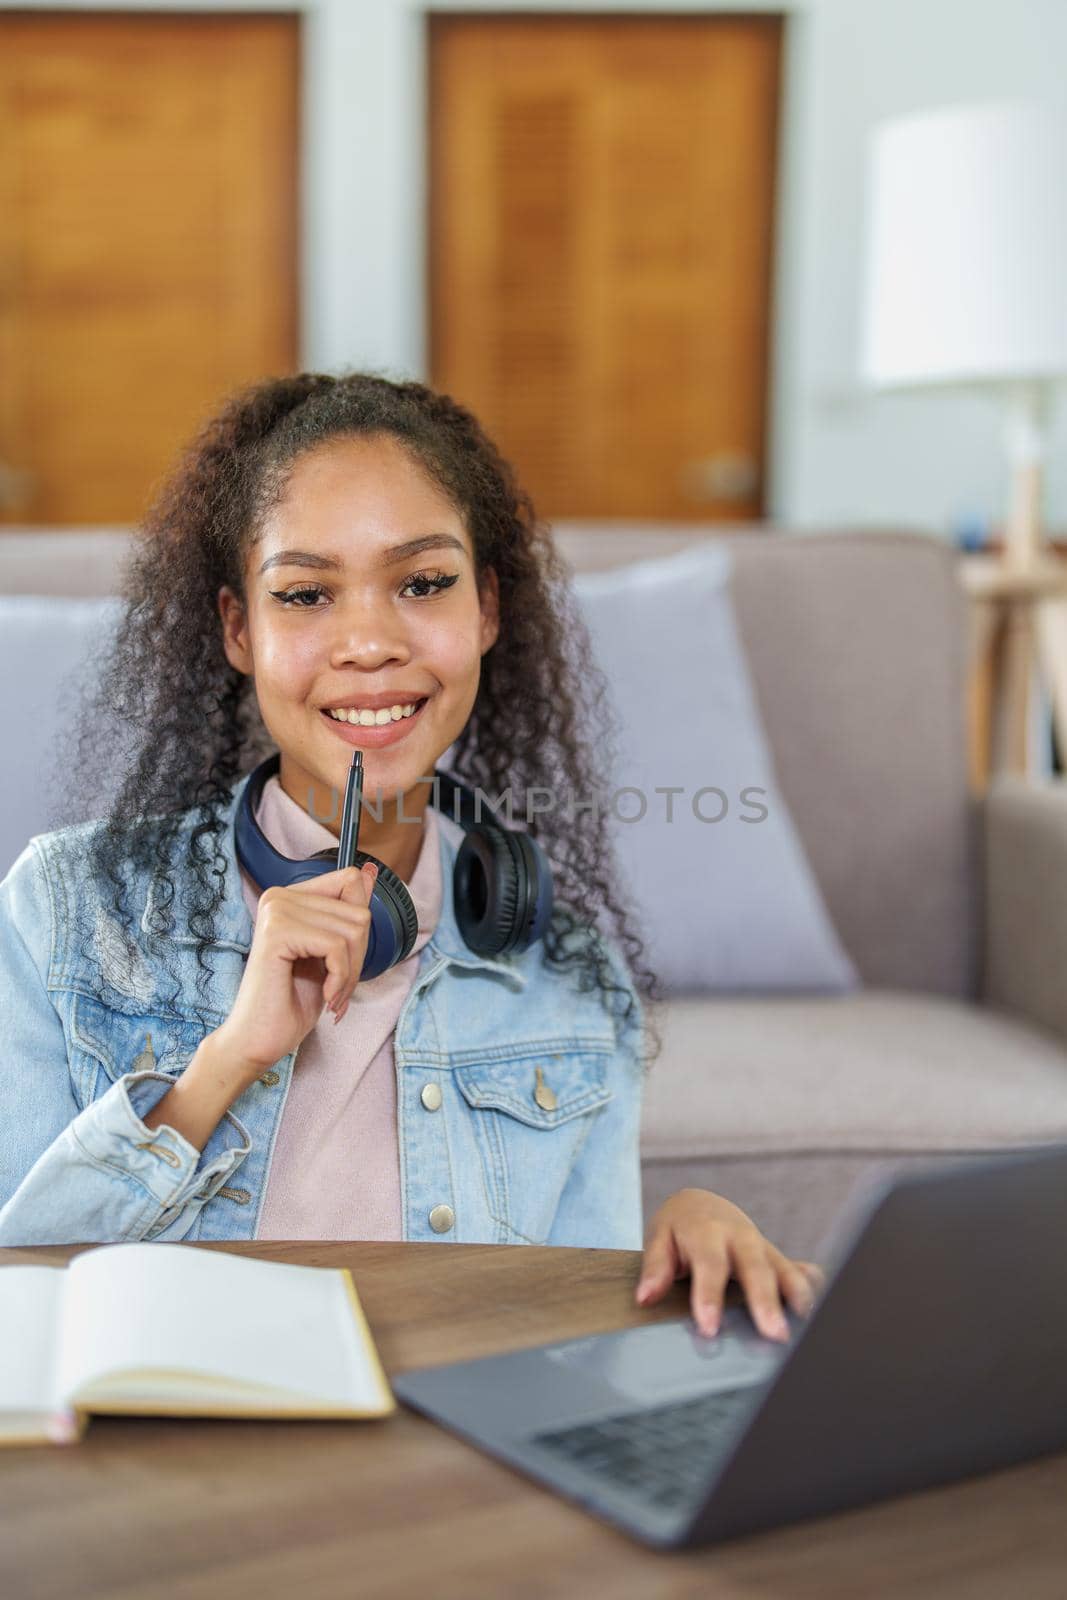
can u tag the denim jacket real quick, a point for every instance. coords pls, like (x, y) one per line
(487, 1165)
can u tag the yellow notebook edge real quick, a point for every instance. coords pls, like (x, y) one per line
(370, 1349)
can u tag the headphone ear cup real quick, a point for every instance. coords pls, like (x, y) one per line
(502, 891)
(533, 917)
(394, 920)
(485, 890)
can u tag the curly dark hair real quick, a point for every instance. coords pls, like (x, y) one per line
(188, 722)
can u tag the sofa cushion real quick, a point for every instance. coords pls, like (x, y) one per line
(725, 897)
(881, 1072)
(46, 646)
(857, 642)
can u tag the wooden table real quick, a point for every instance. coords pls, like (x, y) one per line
(220, 1510)
(1018, 638)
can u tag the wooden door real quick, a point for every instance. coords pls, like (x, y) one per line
(148, 191)
(601, 215)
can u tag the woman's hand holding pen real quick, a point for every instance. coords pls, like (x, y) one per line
(302, 928)
(308, 948)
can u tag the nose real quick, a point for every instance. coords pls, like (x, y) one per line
(367, 635)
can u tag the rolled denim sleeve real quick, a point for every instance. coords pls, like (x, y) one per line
(71, 1176)
(601, 1205)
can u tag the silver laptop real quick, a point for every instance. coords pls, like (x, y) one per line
(937, 1350)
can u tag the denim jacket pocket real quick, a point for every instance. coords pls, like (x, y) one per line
(106, 1043)
(531, 1116)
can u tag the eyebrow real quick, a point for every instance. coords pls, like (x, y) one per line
(395, 553)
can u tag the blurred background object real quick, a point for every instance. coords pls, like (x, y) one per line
(965, 272)
(601, 227)
(149, 261)
(631, 240)
(640, 229)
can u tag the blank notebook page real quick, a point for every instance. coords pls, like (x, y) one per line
(30, 1300)
(213, 1315)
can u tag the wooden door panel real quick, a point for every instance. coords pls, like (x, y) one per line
(601, 215)
(149, 191)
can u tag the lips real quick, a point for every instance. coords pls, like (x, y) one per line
(373, 738)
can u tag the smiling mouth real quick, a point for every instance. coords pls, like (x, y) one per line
(377, 719)
(375, 735)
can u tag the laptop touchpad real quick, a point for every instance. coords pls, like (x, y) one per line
(669, 1360)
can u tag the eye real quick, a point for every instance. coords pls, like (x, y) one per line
(298, 597)
(438, 581)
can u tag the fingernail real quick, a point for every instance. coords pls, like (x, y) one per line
(778, 1326)
(709, 1319)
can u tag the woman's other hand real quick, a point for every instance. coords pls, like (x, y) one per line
(699, 1234)
(308, 948)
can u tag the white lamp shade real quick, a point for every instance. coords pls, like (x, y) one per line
(966, 264)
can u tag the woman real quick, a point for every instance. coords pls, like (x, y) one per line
(338, 563)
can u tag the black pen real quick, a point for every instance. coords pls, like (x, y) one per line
(349, 841)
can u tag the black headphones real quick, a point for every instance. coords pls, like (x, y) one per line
(501, 883)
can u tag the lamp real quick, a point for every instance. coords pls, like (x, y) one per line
(966, 285)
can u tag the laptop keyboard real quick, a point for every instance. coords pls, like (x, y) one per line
(662, 1453)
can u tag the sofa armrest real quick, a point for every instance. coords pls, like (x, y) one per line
(1025, 967)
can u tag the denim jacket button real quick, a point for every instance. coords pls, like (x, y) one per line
(442, 1218)
(269, 1078)
(431, 1096)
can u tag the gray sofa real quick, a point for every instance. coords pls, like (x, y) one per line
(953, 909)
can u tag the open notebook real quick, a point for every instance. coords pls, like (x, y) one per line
(170, 1330)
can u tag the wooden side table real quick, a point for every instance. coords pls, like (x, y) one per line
(1018, 636)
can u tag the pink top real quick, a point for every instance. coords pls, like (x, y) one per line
(335, 1171)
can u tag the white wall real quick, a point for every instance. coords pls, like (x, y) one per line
(836, 454)
(843, 455)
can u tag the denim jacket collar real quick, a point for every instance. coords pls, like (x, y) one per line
(233, 924)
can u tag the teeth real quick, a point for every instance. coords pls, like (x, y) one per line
(371, 719)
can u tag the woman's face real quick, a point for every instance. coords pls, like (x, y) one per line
(361, 596)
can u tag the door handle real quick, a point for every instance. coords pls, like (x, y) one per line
(726, 475)
(16, 487)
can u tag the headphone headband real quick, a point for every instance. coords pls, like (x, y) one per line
(501, 881)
